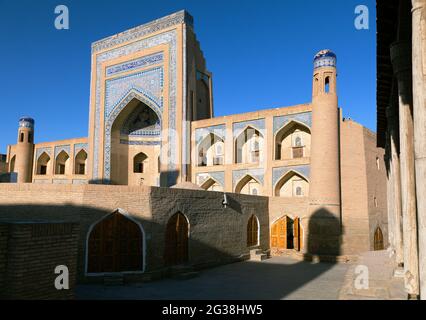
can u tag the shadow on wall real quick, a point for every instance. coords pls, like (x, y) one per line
(278, 279)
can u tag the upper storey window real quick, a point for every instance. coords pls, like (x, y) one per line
(293, 141)
(248, 146)
(211, 151)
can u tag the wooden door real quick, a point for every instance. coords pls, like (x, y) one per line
(115, 245)
(176, 246)
(296, 234)
(378, 240)
(279, 234)
(252, 232)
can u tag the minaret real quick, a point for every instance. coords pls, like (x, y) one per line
(25, 150)
(324, 189)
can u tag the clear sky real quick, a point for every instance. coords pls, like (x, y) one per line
(259, 51)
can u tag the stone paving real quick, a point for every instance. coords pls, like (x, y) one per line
(382, 285)
(279, 278)
(273, 279)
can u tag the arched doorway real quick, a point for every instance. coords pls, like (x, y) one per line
(378, 240)
(253, 232)
(115, 245)
(286, 234)
(177, 240)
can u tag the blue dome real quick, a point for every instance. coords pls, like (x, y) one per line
(325, 58)
(26, 122)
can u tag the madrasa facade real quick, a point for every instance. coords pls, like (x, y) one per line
(152, 127)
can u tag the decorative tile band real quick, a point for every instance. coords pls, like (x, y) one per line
(258, 174)
(304, 118)
(142, 30)
(278, 173)
(218, 176)
(135, 64)
(201, 133)
(59, 149)
(80, 146)
(258, 124)
(141, 143)
(40, 151)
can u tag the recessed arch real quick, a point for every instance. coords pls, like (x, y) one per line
(43, 164)
(253, 231)
(62, 163)
(12, 164)
(249, 185)
(211, 151)
(115, 164)
(176, 249)
(80, 162)
(287, 233)
(292, 140)
(292, 184)
(139, 162)
(115, 244)
(248, 146)
(378, 239)
(212, 185)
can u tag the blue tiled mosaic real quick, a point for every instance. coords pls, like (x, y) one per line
(218, 176)
(59, 149)
(278, 173)
(201, 133)
(258, 124)
(257, 174)
(135, 64)
(304, 118)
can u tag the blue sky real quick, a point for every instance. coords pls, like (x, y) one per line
(259, 51)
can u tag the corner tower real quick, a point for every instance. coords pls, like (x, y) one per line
(324, 206)
(25, 150)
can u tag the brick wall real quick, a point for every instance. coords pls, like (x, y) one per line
(30, 252)
(217, 235)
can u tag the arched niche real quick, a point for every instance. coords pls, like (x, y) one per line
(211, 151)
(292, 184)
(80, 162)
(253, 231)
(293, 141)
(62, 162)
(249, 146)
(132, 134)
(43, 164)
(176, 250)
(212, 185)
(116, 243)
(249, 185)
(12, 164)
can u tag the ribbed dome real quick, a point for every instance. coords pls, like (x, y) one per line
(325, 58)
(26, 122)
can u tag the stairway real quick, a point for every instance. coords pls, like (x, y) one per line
(257, 255)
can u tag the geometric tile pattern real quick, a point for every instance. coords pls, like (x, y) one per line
(281, 121)
(278, 173)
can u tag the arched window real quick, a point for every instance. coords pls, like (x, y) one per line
(327, 85)
(378, 240)
(292, 184)
(21, 137)
(61, 163)
(211, 151)
(139, 163)
(253, 232)
(248, 185)
(115, 244)
(43, 163)
(12, 164)
(80, 162)
(248, 146)
(212, 185)
(292, 141)
(177, 240)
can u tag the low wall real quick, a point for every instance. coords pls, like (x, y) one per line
(217, 235)
(29, 253)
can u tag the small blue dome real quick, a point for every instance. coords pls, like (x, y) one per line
(26, 122)
(325, 58)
